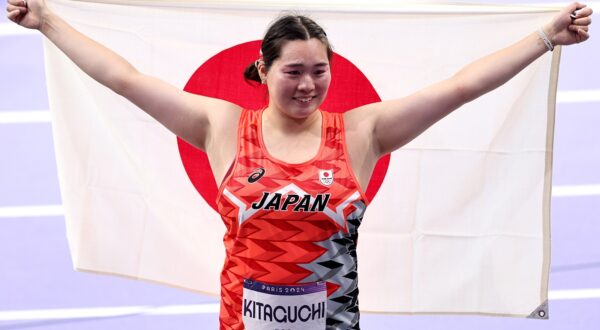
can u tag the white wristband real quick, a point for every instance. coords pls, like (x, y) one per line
(545, 39)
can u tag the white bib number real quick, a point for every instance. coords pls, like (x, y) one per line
(284, 307)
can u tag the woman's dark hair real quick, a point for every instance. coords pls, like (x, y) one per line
(286, 28)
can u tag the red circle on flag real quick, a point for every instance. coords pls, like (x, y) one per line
(221, 77)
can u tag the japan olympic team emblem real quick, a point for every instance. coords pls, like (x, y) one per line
(326, 177)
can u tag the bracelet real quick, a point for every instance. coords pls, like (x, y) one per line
(545, 39)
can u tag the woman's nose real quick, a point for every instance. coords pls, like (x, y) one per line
(306, 83)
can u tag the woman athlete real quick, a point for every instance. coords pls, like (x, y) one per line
(293, 176)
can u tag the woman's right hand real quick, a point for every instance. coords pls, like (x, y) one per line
(27, 13)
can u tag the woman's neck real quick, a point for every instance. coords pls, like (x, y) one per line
(279, 122)
(291, 140)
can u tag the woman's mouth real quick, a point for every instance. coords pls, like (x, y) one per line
(304, 99)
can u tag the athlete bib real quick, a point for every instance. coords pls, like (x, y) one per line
(284, 307)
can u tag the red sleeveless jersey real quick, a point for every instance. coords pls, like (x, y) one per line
(291, 223)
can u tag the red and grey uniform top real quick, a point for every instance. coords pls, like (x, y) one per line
(290, 225)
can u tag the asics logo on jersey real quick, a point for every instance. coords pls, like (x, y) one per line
(256, 175)
(281, 202)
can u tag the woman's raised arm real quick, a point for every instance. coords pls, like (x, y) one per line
(185, 114)
(391, 124)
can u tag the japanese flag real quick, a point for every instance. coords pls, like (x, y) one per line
(459, 218)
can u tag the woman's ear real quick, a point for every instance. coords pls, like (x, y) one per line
(262, 70)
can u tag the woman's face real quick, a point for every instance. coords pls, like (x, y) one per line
(299, 79)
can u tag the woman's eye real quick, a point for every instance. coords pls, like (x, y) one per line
(294, 73)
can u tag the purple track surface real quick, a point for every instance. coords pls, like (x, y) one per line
(36, 272)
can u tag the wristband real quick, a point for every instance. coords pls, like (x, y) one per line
(545, 39)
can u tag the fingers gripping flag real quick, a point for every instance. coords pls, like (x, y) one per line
(459, 219)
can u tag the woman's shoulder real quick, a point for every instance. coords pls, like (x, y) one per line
(225, 114)
(359, 118)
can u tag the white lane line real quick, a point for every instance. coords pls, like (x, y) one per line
(185, 309)
(574, 294)
(100, 312)
(12, 29)
(35, 116)
(24, 116)
(213, 308)
(576, 190)
(58, 210)
(31, 211)
(578, 96)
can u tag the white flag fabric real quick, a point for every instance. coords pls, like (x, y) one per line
(460, 223)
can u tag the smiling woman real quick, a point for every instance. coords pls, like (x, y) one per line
(299, 79)
(293, 177)
(294, 64)
(297, 82)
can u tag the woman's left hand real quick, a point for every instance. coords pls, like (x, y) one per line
(566, 30)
